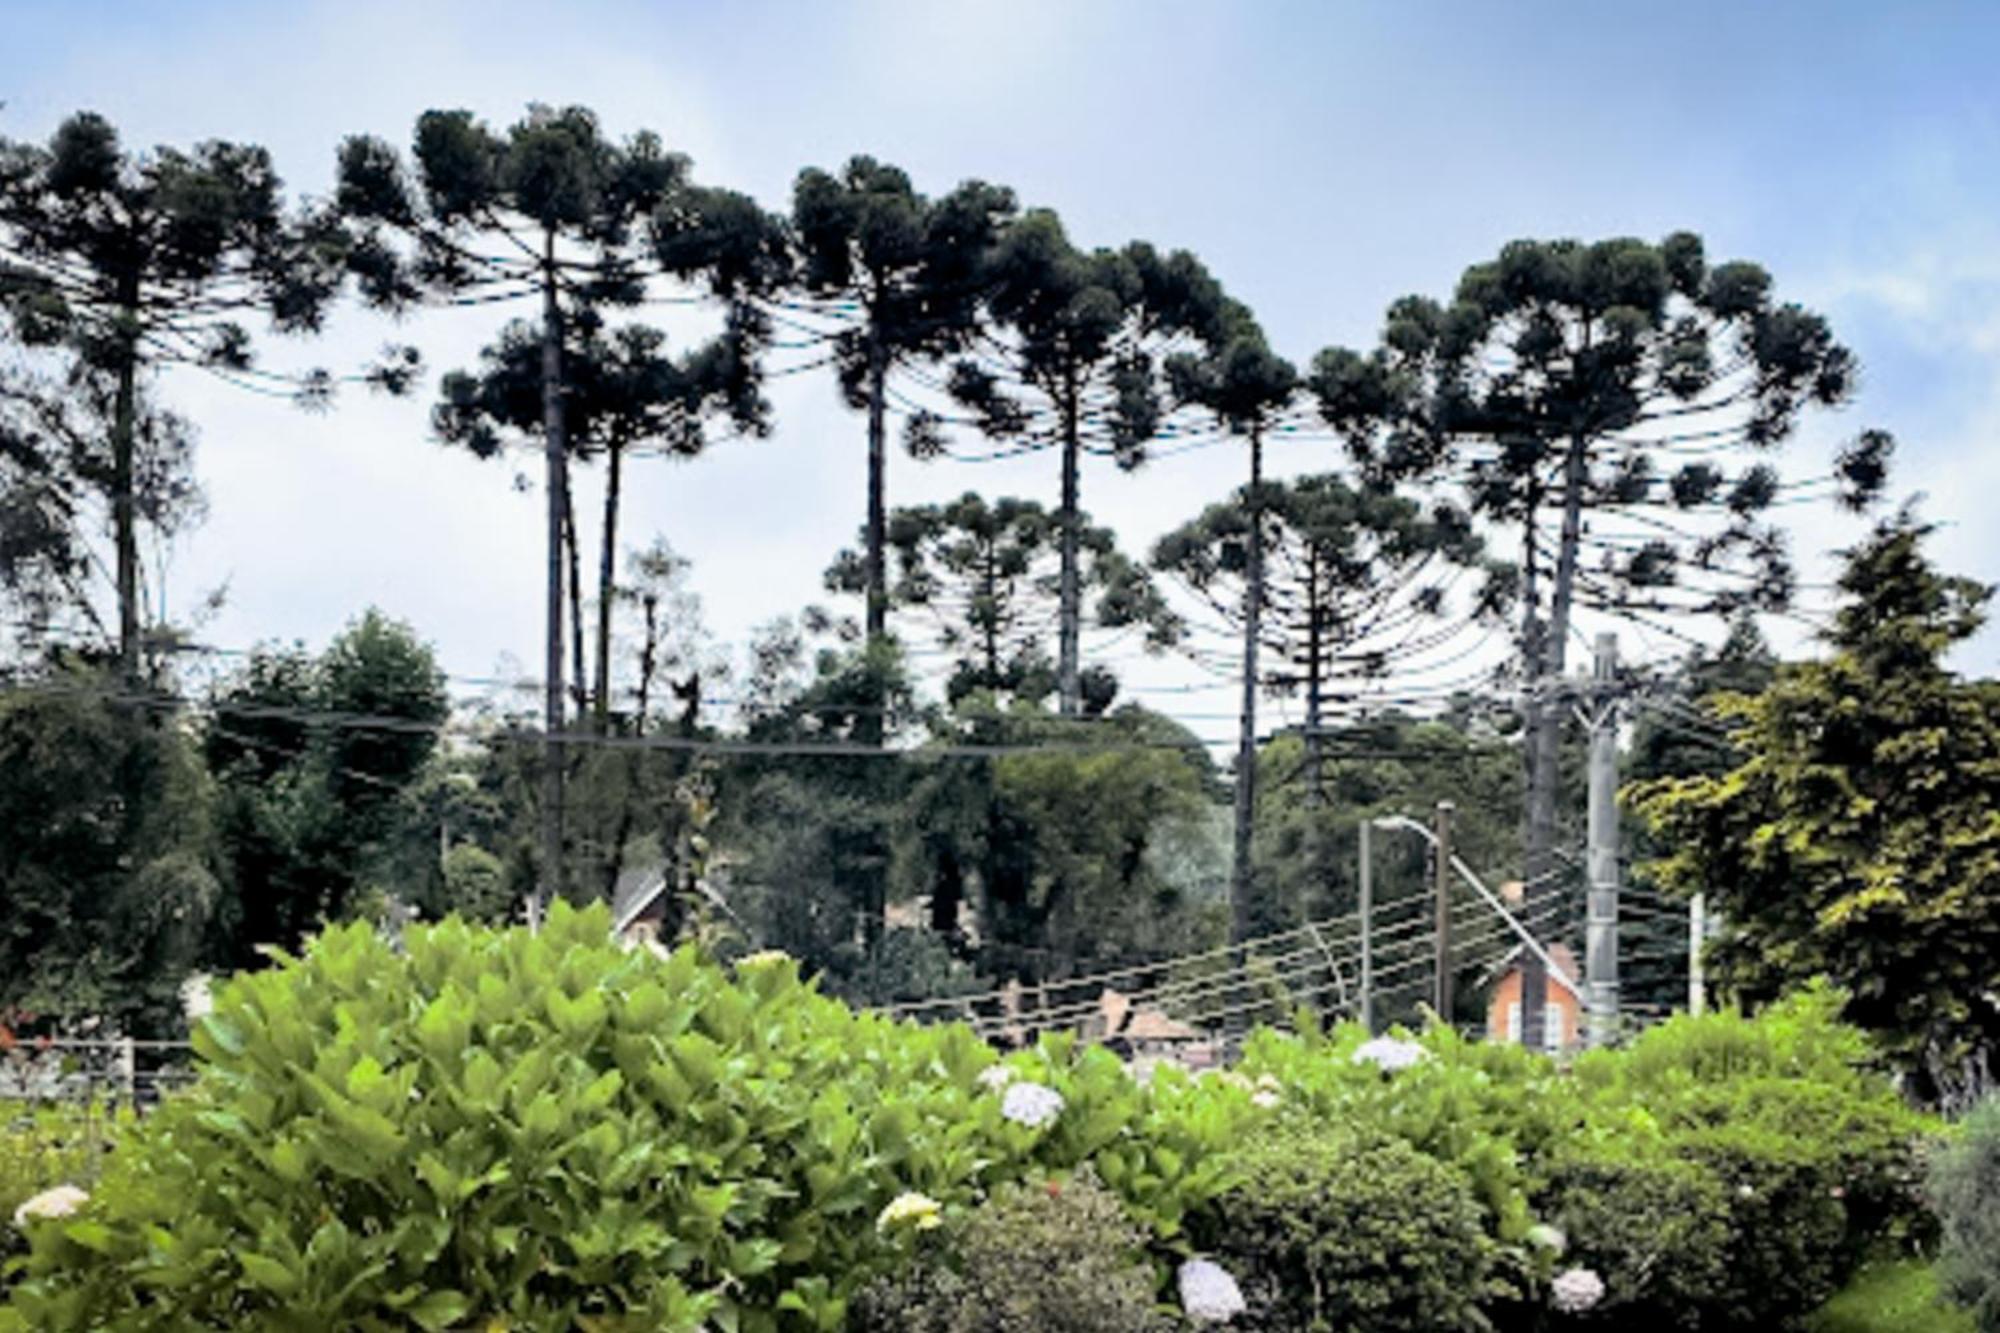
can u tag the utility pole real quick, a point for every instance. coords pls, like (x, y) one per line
(1697, 936)
(1601, 940)
(1442, 849)
(1367, 927)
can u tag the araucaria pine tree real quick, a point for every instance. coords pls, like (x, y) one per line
(983, 576)
(125, 263)
(1247, 388)
(1609, 406)
(1349, 584)
(1077, 367)
(900, 275)
(554, 212)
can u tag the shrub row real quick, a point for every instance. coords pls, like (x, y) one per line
(497, 1130)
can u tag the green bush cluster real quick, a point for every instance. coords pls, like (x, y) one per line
(1721, 1172)
(1818, 1160)
(493, 1129)
(46, 1145)
(1054, 1256)
(1965, 1189)
(547, 1131)
(1338, 1230)
(1654, 1227)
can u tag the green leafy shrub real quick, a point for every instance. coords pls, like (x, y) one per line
(1162, 1146)
(1487, 1109)
(1816, 1154)
(1054, 1257)
(541, 1129)
(552, 1132)
(1787, 1227)
(1654, 1228)
(1965, 1189)
(43, 1146)
(1336, 1230)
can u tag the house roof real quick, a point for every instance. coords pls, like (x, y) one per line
(1563, 974)
(1120, 1019)
(1152, 1025)
(637, 889)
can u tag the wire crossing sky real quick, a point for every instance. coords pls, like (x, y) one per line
(1321, 160)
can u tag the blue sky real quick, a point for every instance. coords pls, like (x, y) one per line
(1322, 158)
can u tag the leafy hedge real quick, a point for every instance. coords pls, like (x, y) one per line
(44, 1146)
(1054, 1256)
(556, 1132)
(1965, 1184)
(496, 1129)
(1653, 1227)
(1784, 1158)
(1334, 1230)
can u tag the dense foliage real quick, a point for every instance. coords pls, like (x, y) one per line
(46, 1146)
(547, 1129)
(1964, 1187)
(1038, 1257)
(554, 1131)
(108, 864)
(1330, 1229)
(1857, 839)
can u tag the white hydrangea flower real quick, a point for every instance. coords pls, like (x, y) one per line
(762, 958)
(996, 1077)
(1264, 1098)
(1268, 1083)
(1208, 1294)
(1576, 1290)
(1390, 1054)
(1031, 1104)
(197, 997)
(917, 1210)
(51, 1204)
(1545, 1237)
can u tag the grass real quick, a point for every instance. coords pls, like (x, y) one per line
(1898, 1296)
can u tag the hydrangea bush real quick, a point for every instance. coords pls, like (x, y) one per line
(1329, 1229)
(44, 1149)
(1059, 1255)
(551, 1132)
(495, 1129)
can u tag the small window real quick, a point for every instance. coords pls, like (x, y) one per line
(1514, 1021)
(1552, 1028)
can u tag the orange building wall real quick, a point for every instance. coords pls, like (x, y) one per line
(1508, 992)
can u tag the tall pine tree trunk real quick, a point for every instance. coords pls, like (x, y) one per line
(1069, 679)
(990, 595)
(557, 485)
(607, 588)
(614, 854)
(873, 850)
(573, 554)
(878, 484)
(124, 483)
(1315, 645)
(1242, 919)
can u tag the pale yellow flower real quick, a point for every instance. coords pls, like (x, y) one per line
(51, 1204)
(919, 1211)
